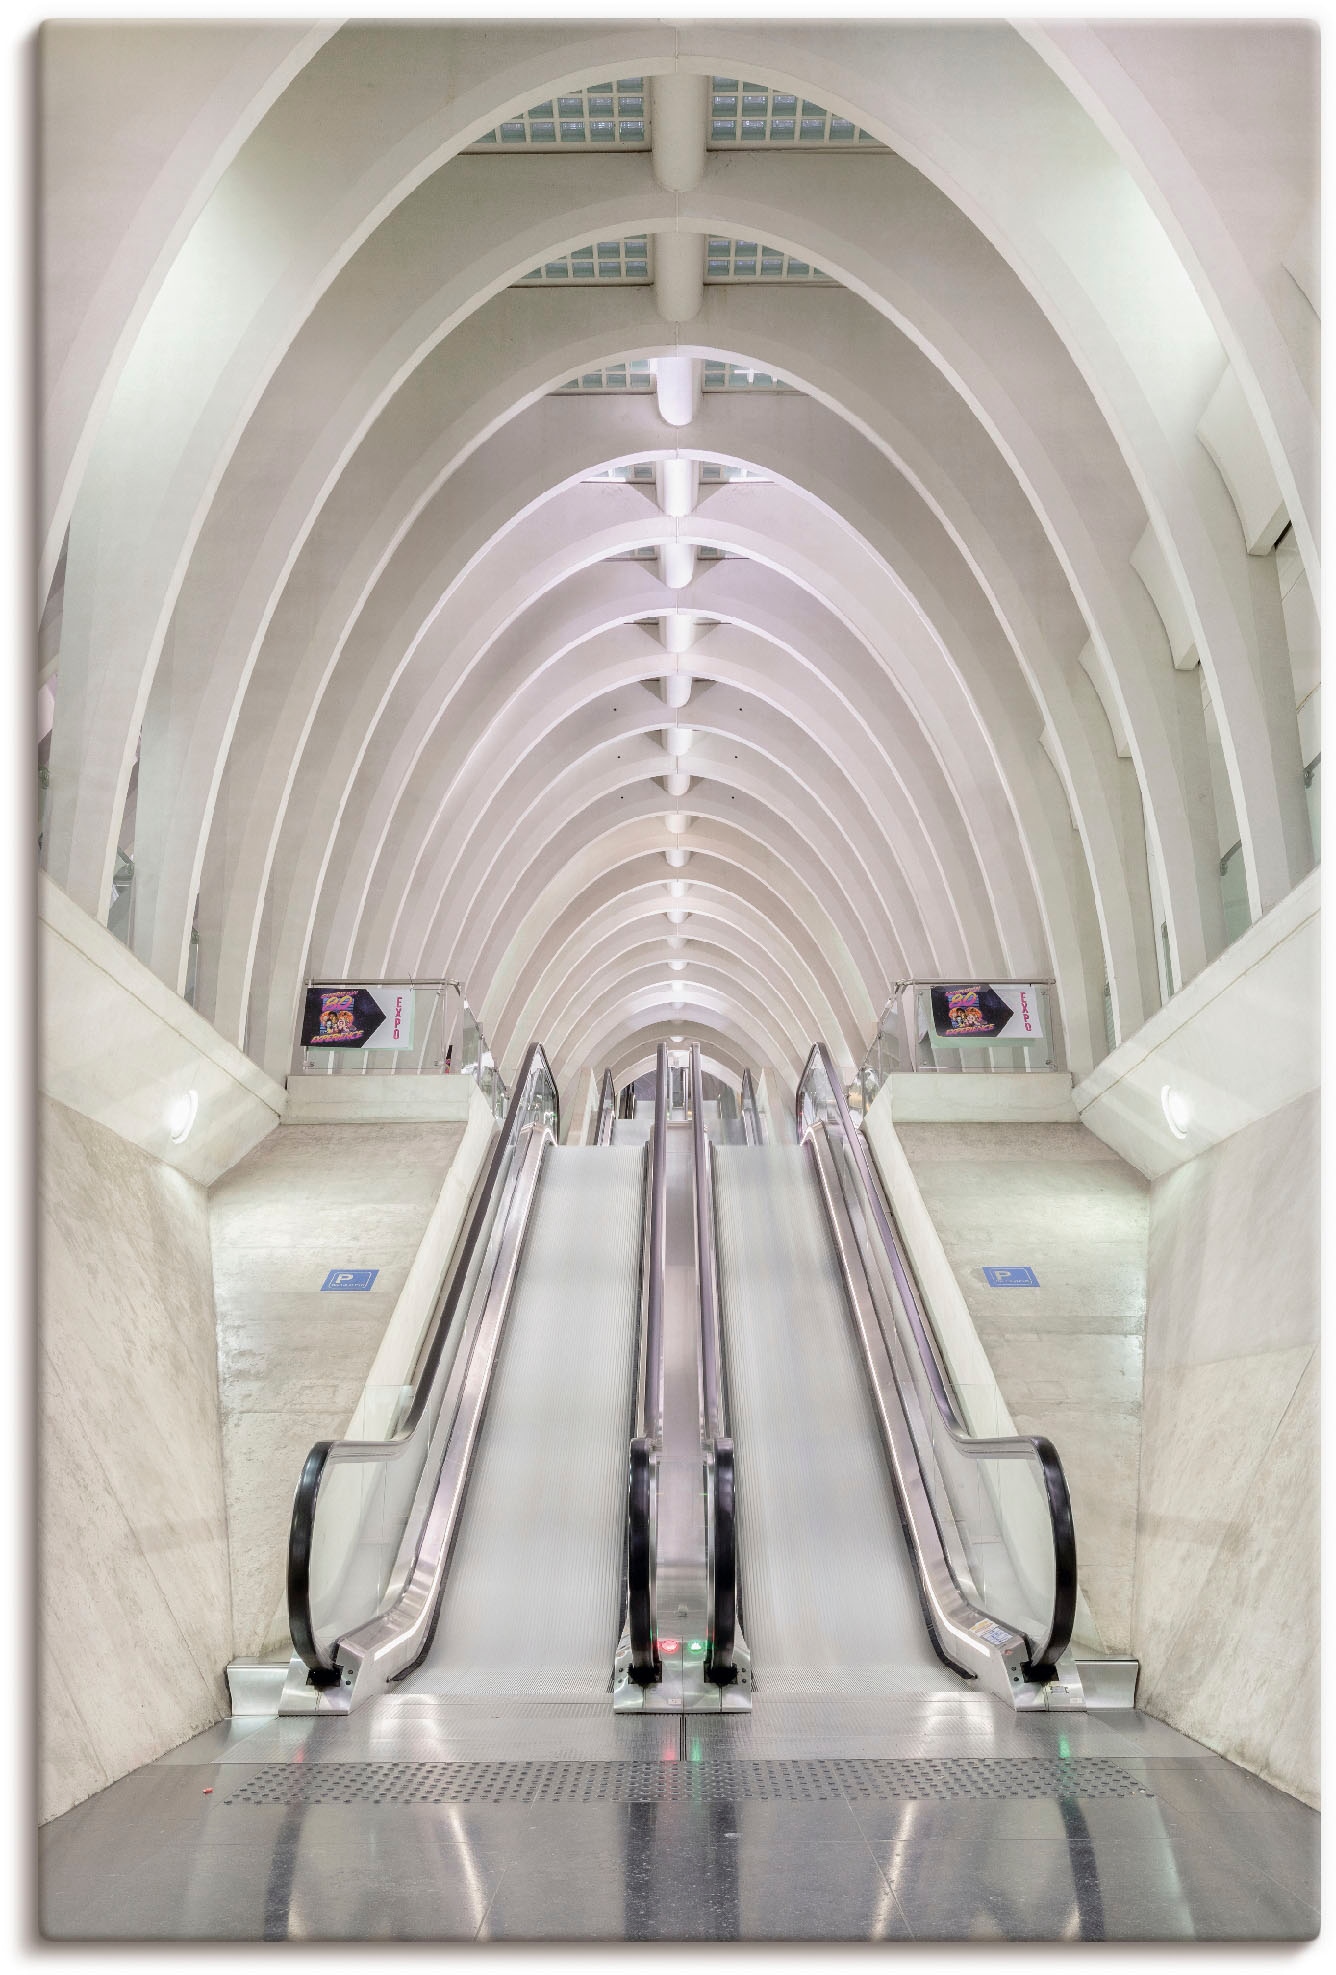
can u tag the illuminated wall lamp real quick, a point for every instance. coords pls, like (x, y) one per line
(676, 916)
(1177, 1110)
(181, 1115)
(676, 856)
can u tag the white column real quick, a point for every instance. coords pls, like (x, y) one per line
(679, 119)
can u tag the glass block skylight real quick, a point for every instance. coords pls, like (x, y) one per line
(749, 113)
(606, 116)
(633, 376)
(640, 472)
(739, 377)
(713, 472)
(602, 260)
(752, 260)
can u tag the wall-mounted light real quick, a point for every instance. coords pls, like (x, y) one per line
(677, 965)
(181, 1115)
(676, 916)
(676, 856)
(1177, 1110)
(677, 740)
(677, 822)
(677, 888)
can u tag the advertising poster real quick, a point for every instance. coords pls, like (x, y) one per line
(358, 1018)
(977, 1012)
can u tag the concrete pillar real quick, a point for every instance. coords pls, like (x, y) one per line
(680, 122)
(679, 125)
(676, 480)
(678, 561)
(676, 385)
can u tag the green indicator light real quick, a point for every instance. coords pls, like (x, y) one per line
(695, 1645)
(1064, 1746)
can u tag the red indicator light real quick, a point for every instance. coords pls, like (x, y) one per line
(669, 1645)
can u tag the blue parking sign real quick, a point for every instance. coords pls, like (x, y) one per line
(1011, 1278)
(350, 1278)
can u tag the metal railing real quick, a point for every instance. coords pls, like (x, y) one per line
(752, 1127)
(642, 1501)
(907, 1039)
(716, 1444)
(446, 1037)
(996, 1526)
(606, 1116)
(373, 1520)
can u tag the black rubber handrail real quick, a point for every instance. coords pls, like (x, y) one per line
(301, 1530)
(606, 1115)
(1022, 1446)
(646, 1666)
(722, 1544)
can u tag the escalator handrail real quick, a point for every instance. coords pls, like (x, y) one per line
(706, 1268)
(646, 1666)
(722, 1544)
(751, 1116)
(301, 1529)
(607, 1110)
(1022, 1446)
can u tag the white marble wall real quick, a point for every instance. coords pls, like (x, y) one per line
(1226, 1620)
(1066, 1356)
(134, 1626)
(293, 1359)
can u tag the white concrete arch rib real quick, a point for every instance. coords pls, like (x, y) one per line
(334, 568)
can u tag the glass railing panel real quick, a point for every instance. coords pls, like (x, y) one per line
(907, 1037)
(426, 1045)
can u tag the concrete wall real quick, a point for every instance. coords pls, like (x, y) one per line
(1226, 1619)
(136, 1470)
(135, 1611)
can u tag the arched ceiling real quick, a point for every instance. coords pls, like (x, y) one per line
(945, 636)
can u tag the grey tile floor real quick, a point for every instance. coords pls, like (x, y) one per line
(1208, 1852)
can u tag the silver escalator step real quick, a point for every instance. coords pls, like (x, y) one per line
(830, 1601)
(532, 1596)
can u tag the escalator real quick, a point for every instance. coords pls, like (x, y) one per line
(830, 1593)
(683, 1427)
(884, 1548)
(480, 1551)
